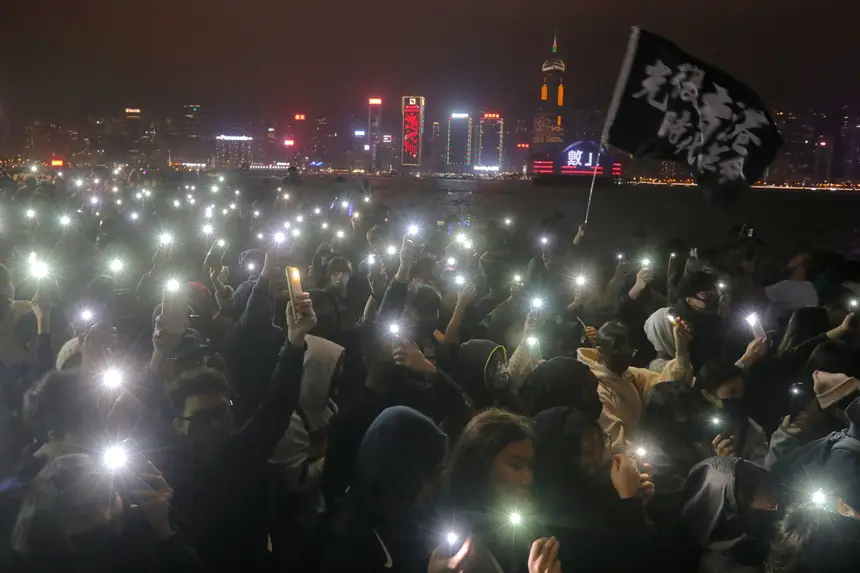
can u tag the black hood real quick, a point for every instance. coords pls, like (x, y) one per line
(563, 381)
(712, 511)
(472, 359)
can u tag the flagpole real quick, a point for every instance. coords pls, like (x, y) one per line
(593, 180)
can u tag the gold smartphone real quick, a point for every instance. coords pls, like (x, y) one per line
(294, 284)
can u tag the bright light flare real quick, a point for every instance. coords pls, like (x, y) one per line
(112, 378)
(39, 269)
(459, 280)
(207, 229)
(165, 239)
(537, 302)
(515, 518)
(172, 285)
(31, 213)
(580, 281)
(391, 250)
(116, 266)
(544, 240)
(279, 237)
(394, 328)
(752, 319)
(87, 315)
(115, 458)
(646, 262)
(819, 497)
(531, 341)
(412, 230)
(452, 538)
(452, 262)
(641, 452)
(65, 220)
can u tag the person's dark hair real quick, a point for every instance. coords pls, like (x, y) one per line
(338, 264)
(666, 403)
(805, 323)
(471, 460)
(194, 382)
(424, 268)
(716, 373)
(835, 357)
(424, 299)
(65, 485)
(812, 539)
(376, 233)
(562, 381)
(695, 282)
(612, 336)
(60, 401)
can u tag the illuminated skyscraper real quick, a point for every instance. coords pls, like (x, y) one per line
(233, 150)
(374, 129)
(490, 142)
(191, 120)
(549, 129)
(458, 155)
(412, 130)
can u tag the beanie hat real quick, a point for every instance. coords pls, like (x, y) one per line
(833, 387)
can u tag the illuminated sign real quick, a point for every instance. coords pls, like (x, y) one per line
(366, 147)
(132, 110)
(491, 116)
(359, 133)
(234, 138)
(375, 101)
(459, 115)
(57, 163)
(316, 163)
(523, 145)
(386, 139)
(587, 158)
(486, 168)
(289, 142)
(271, 129)
(412, 130)
(299, 117)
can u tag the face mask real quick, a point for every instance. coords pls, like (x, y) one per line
(761, 523)
(711, 304)
(498, 379)
(103, 539)
(734, 409)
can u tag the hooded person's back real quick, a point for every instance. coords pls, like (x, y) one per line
(832, 462)
(378, 527)
(713, 516)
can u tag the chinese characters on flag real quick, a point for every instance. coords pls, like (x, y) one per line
(670, 105)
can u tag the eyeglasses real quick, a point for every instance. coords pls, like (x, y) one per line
(206, 417)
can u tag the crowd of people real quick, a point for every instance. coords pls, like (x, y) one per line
(315, 382)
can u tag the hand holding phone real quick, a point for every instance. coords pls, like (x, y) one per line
(294, 284)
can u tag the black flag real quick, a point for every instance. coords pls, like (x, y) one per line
(670, 105)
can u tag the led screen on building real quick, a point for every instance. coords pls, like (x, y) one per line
(413, 129)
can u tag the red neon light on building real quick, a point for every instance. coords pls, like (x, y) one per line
(57, 163)
(374, 101)
(300, 117)
(491, 116)
(411, 132)
(523, 145)
(289, 142)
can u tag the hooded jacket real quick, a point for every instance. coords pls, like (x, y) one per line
(298, 458)
(473, 358)
(622, 394)
(401, 449)
(712, 516)
(659, 332)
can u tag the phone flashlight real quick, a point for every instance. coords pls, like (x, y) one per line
(544, 240)
(115, 458)
(279, 237)
(641, 452)
(214, 188)
(755, 324)
(65, 220)
(224, 212)
(672, 255)
(467, 244)
(620, 256)
(165, 239)
(256, 214)
(31, 213)
(300, 219)
(518, 278)
(116, 265)
(459, 280)
(79, 183)
(716, 421)
(176, 203)
(134, 216)
(340, 234)
(296, 232)
(112, 378)
(260, 236)
(537, 302)
(721, 285)
(852, 303)
(356, 215)
(324, 226)
(220, 179)
(508, 222)
(86, 315)
(451, 261)
(344, 204)
(819, 498)
(452, 538)
(412, 230)
(232, 206)
(394, 328)
(251, 266)
(221, 243)
(367, 199)
(371, 259)
(514, 518)
(172, 285)
(460, 238)
(646, 262)
(580, 280)
(531, 340)
(391, 250)
(38, 269)
(208, 229)
(752, 319)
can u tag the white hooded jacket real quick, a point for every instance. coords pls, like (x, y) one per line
(299, 460)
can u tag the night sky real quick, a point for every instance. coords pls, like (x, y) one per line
(251, 59)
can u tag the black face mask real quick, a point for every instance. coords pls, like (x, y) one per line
(712, 304)
(761, 523)
(734, 409)
(103, 539)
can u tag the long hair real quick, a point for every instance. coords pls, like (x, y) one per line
(470, 465)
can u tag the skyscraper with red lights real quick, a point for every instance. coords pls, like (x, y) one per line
(549, 129)
(412, 131)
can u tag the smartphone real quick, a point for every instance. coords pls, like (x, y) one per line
(294, 284)
(798, 400)
(755, 324)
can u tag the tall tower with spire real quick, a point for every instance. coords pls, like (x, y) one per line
(549, 129)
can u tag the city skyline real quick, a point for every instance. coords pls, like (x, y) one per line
(264, 62)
